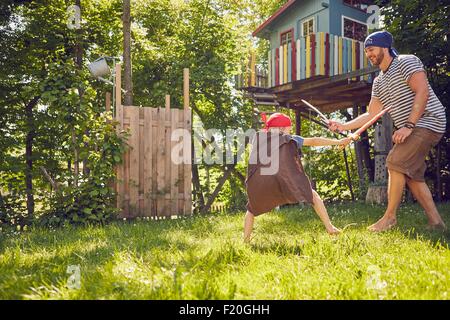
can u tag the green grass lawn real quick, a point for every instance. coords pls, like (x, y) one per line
(291, 257)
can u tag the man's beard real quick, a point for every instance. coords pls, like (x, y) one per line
(378, 59)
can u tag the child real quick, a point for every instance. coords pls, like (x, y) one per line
(287, 183)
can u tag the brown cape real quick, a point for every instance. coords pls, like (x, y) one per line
(288, 185)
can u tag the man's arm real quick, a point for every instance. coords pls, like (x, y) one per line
(419, 84)
(375, 106)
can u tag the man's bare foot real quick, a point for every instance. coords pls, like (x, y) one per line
(436, 227)
(384, 224)
(333, 230)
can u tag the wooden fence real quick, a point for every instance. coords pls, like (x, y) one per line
(149, 183)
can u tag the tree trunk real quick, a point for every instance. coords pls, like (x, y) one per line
(127, 80)
(29, 155)
(79, 63)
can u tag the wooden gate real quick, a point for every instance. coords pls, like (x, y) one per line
(149, 183)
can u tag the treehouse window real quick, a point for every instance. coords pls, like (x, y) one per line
(354, 30)
(308, 27)
(358, 4)
(286, 37)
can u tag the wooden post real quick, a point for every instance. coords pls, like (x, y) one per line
(118, 89)
(298, 123)
(167, 104)
(186, 88)
(119, 117)
(108, 101)
(377, 193)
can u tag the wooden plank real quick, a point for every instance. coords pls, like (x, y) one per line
(285, 64)
(346, 60)
(331, 56)
(274, 66)
(350, 56)
(353, 57)
(148, 143)
(126, 167)
(341, 55)
(186, 88)
(297, 54)
(269, 73)
(119, 117)
(294, 60)
(167, 132)
(118, 78)
(289, 62)
(160, 163)
(327, 55)
(281, 65)
(336, 55)
(108, 101)
(174, 182)
(308, 57)
(134, 160)
(168, 163)
(277, 67)
(332, 89)
(322, 54)
(167, 105)
(300, 87)
(187, 170)
(313, 55)
(155, 154)
(141, 161)
(317, 55)
(303, 58)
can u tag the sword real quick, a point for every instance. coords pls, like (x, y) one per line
(355, 136)
(317, 111)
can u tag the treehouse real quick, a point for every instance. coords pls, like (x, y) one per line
(316, 53)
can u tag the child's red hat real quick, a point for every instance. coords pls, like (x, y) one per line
(278, 120)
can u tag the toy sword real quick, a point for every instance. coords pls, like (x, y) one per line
(355, 136)
(317, 111)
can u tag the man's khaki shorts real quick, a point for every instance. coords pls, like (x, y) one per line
(409, 157)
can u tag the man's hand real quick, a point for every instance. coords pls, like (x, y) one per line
(344, 142)
(400, 135)
(335, 126)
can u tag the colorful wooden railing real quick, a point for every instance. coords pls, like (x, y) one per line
(317, 54)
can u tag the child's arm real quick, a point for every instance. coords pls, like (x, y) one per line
(317, 141)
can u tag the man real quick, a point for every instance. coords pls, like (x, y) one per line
(419, 120)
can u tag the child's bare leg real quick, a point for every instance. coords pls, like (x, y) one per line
(321, 211)
(248, 226)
